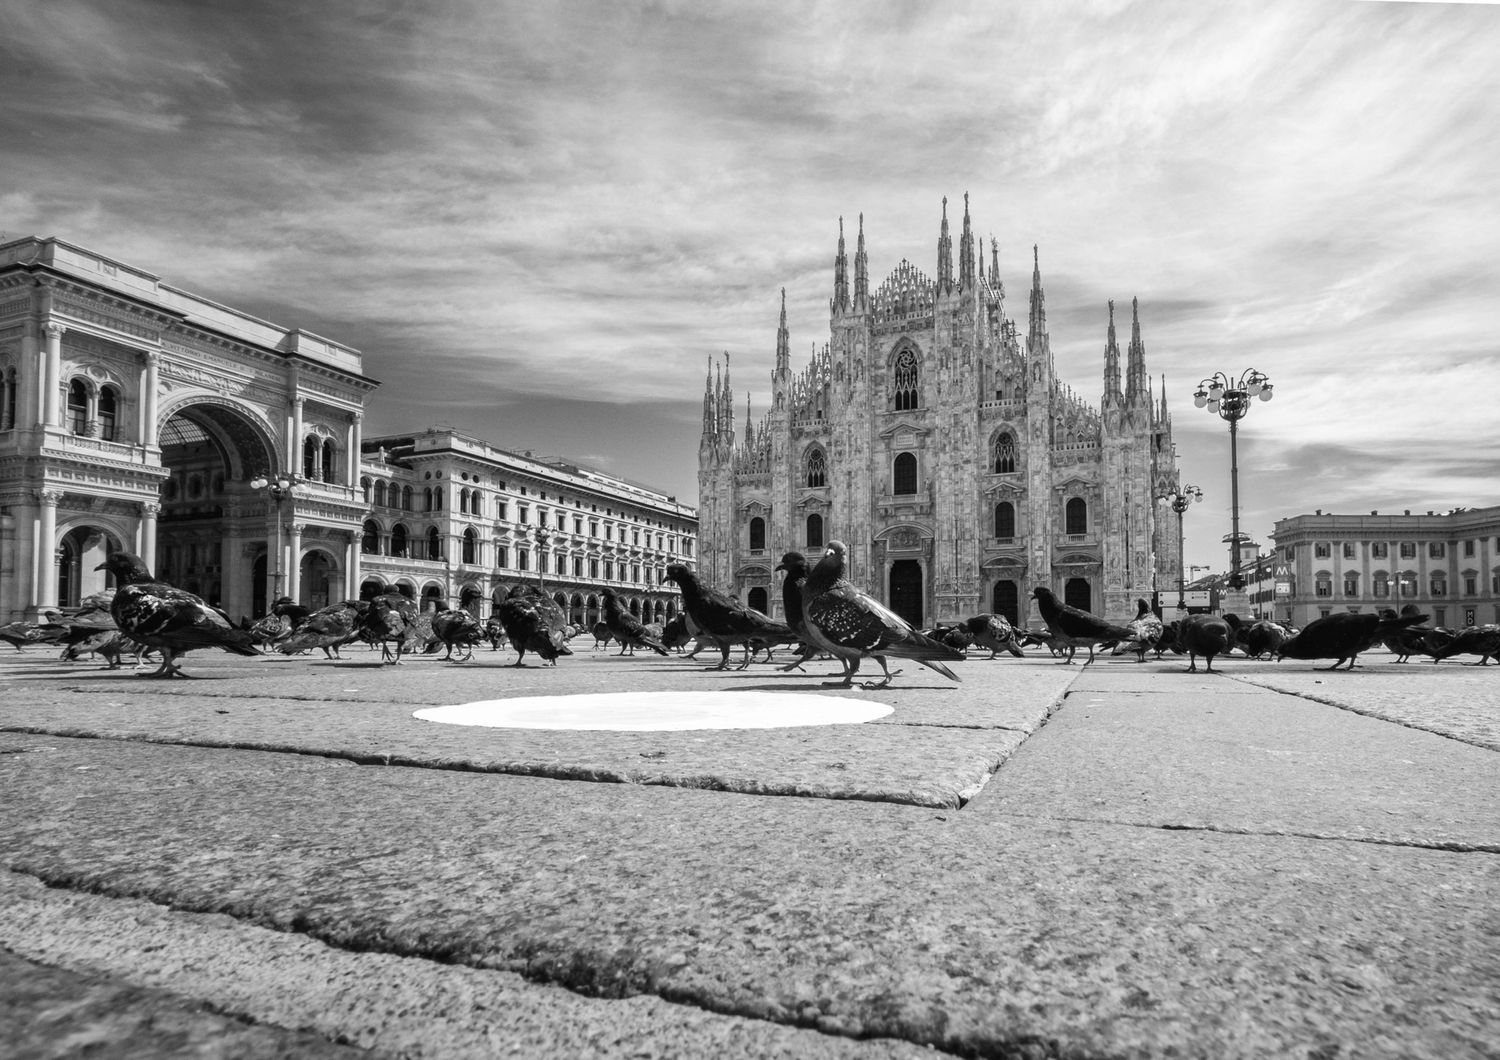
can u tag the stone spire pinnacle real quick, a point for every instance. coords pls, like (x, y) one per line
(709, 426)
(861, 269)
(966, 252)
(945, 254)
(1137, 389)
(783, 338)
(1112, 396)
(994, 261)
(1037, 333)
(840, 277)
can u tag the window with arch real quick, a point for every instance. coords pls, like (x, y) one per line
(815, 531)
(1005, 453)
(476, 503)
(407, 493)
(434, 543)
(365, 487)
(8, 387)
(369, 541)
(330, 461)
(904, 474)
(109, 404)
(757, 534)
(1076, 516)
(470, 546)
(427, 498)
(463, 500)
(400, 542)
(1005, 520)
(817, 468)
(311, 450)
(905, 383)
(78, 407)
(380, 494)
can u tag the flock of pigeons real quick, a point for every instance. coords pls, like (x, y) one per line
(827, 614)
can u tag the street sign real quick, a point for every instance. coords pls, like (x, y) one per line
(1283, 588)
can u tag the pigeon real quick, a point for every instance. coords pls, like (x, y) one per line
(1343, 636)
(995, 633)
(956, 637)
(1074, 629)
(22, 633)
(92, 630)
(674, 634)
(457, 627)
(1262, 637)
(173, 621)
(1146, 632)
(794, 564)
(1408, 640)
(1205, 635)
(266, 632)
(494, 632)
(294, 613)
(721, 620)
(533, 622)
(1483, 641)
(850, 624)
(388, 620)
(602, 635)
(627, 629)
(329, 628)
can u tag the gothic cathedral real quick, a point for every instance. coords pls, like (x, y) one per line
(944, 452)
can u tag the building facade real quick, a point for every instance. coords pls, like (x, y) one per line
(1447, 564)
(447, 511)
(939, 444)
(228, 453)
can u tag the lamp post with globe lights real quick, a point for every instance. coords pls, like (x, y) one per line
(1229, 399)
(541, 559)
(280, 488)
(1179, 499)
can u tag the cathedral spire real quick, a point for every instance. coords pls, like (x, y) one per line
(945, 254)
(749, 431)
(1036, 336)
(783, 338)
(840, 278)
(994, 262)
(1112, 396)
(1137, 389)
(861, 269)
(966, 252)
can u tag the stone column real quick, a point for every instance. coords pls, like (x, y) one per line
(293, 566)
(351, 567)
(147, 552)
(52, 375)
(356, 435)
(28, 412)
(44, 582)
(149, 385)
(294, 448)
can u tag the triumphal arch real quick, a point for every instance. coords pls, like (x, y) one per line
(221, 448)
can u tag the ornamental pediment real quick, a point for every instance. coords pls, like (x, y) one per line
(905, 432)
(1003, 487)
(905, 537)
(754, 508)
(1075, 482)
(753, 570)
(1077, 559)
(1010, 563)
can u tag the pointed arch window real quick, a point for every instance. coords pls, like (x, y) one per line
(817, 468)
(904, 474)
(1077, 516)
(815, 531)
(905, 384)
(757, 534)
(1005, 520)
(1005, 453)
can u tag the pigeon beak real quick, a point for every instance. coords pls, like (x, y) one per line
(102, 566)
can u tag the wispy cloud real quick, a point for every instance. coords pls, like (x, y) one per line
(514, 207)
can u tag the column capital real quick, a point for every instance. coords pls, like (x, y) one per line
(49, 497)
(54, 329)
(151, 358)
(357, 418)
(150, 509)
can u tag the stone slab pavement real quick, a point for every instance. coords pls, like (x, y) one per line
(1148, 863)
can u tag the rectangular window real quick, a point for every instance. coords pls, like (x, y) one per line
(1408, 550)
(1321, 550)
(578, 566)
(1381, 587)
(577, 525)
(609, 570)
(523, 514)
(522, 558)
(635, 537)
(1351, 586)
(1379, 550)
(1348, 549)
(635, 572)
(687, 550)
(609, 531)
(1439, 588)
(1439, 616)
(1471, 586)
(562, 521)
(1436, 550)
(593, 568)
(502, 556)
(541, 561)
(502, 510)
(593, 528)
(1324, 588)
(1468, 549)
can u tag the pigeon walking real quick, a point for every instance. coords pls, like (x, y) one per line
(794, 564)
(1205, 635)
(329, 628)
(995, 633)
(457, 627)
(533, 622)
(1483, 641)
(1146, 631)
(1072, 628)
(169, 620)
(721, 620)
(1343, 636)
(852, 625)
(630, 631)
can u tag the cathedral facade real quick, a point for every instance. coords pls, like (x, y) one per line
(936, 441)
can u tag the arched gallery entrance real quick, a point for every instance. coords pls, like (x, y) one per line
(906, 590)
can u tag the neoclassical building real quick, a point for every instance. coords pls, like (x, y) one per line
(938, 443)
(136, 415)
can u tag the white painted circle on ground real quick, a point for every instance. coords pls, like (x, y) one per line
(660, 711)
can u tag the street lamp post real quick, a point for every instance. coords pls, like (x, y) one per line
(1180, 499)
(541, 559)
(280, 488)
(1229, 399)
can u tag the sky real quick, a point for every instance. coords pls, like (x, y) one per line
(538, 220)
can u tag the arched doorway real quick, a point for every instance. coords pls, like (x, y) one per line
(316, 579)
(906, 590)
(1077, 593)
(1007, 602)
(83, 549)
(757, 599)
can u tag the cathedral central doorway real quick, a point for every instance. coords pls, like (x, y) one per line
(906, 590)
(1007, 602)
(1077, 593)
